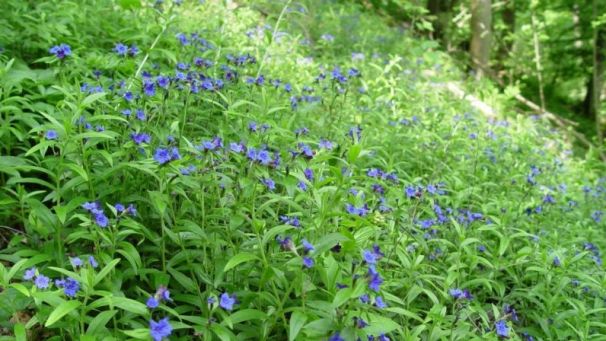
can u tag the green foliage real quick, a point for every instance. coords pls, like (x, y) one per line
(374, 203)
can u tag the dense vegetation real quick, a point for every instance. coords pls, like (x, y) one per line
(553, 52)
(278, 171)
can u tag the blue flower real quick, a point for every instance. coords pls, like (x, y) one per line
(140, 114)
(353, 72)
(140, 138)
(187, 170)
(269, 183)
(149, 88)
(359, 211)
(364, 299)
(100, 219)
(183, 39)
(163, 82)
(374, 280)
(306, 151)
(236, 147)
(556, 261)
(91, 206)
(413, 192)
(133, 50)
(380, 303)
(93, 262)
(508, 309)
(29, 274)
(132, 210)
(42, 282)
(377, 188)
(302, 186)
(377, 251)
(308, 262)
(128, 96)
(61, 51)
(161, 329)
(326, 144)
(360, 323)
(162, 156)
(263, 157)
(456, 293)
(75, 261)
(597, 216)
(369, 257)
(152, 303)
(121, 49)
(51, 135)
(119, 207)
(309, 174)
(70, 286)
(307, 246)
(286, 243)
(502, 329)
(336, 337)
(301, 131)
(227, 302)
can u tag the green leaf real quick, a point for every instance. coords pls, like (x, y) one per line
(139, 334)
(381, 325)
(16, 267)
(185, 281)
(105, 271)
(100, 321)
(77, 169)
(341, 297)
(129, 305)
(247, 315)
(90, 99)
(354, 152)
(130, 4)
(297, 321)
(67, 273)
(158, 200)
(21, 288)
(19, 331)
(131, 254)
(61, 310)
(239, 259)
(223, 333)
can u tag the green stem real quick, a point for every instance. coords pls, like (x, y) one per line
(272, 37)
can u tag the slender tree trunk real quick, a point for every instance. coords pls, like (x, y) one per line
(481, 35)
(441, 10)
(595, 82)
(506, 45)
(537, 58)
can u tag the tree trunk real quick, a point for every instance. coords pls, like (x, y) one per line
(595, 82)
(481, 35)
(441, 10)
(506, 40)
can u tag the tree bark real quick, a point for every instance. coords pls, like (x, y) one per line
(595, 82)
(481, 35)
(506, 45)
(441, 10)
